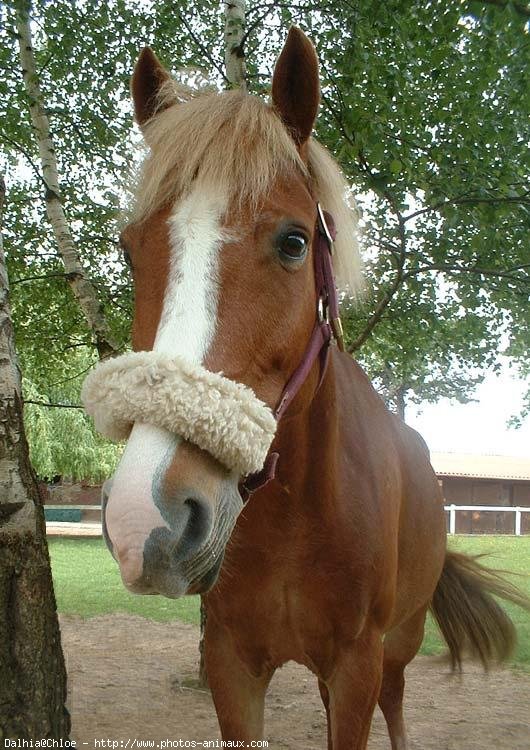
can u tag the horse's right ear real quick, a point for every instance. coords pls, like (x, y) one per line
(148, 77)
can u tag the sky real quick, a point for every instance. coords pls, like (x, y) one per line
(479, 427)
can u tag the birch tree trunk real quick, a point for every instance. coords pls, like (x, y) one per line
(32, 669)
(33, 676)
(233, 38)
(81, 286)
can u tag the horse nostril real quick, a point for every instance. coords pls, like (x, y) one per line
(199, 521)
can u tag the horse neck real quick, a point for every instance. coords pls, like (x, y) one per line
(308, 434)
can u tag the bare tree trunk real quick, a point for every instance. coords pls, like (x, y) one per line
(234, 52)
(81, 286)
(401, 392)
(33, 676)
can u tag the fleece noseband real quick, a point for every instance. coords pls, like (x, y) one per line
(222, 417)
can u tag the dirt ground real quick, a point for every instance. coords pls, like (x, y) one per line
(133, 678)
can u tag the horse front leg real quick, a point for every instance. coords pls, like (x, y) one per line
(353, 690)
(238, 694)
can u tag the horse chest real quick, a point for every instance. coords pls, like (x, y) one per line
(299, 616)
(282, 627)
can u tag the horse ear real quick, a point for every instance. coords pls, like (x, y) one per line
(295, 85)
(148, 77)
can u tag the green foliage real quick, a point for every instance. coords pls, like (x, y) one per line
(62, 440)
(426, 106)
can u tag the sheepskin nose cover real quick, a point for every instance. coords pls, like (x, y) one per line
(220, 416)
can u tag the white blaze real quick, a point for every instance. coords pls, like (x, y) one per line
(186, 328)
(188, 318)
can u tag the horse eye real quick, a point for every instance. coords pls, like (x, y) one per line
(293, 246)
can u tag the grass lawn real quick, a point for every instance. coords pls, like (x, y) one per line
(87, 583)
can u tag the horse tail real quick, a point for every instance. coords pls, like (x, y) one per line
(469, 618)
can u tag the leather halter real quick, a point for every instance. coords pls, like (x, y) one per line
(327, 326)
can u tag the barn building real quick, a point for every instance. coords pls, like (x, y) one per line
(497, 481)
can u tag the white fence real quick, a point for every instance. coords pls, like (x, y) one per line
(73, 528)
(453, 510)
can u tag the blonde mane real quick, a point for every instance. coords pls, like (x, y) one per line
(238, 143)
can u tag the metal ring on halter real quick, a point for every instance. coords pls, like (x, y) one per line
(321, 313)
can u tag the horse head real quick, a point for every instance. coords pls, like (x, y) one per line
(221, 245)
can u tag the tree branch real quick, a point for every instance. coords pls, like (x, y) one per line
(521, 200)
(204, 50)
(381, 306)
(27, 156)
(457, 269)
(399, 253)
(38, 278)
(54, 406)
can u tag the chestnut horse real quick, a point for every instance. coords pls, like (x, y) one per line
(335, 561)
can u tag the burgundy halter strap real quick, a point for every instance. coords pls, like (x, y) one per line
(327, 326)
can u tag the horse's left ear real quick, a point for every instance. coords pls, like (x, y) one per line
(148, 78)
(295, 85)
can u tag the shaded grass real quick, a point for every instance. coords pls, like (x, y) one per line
(87, 583)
